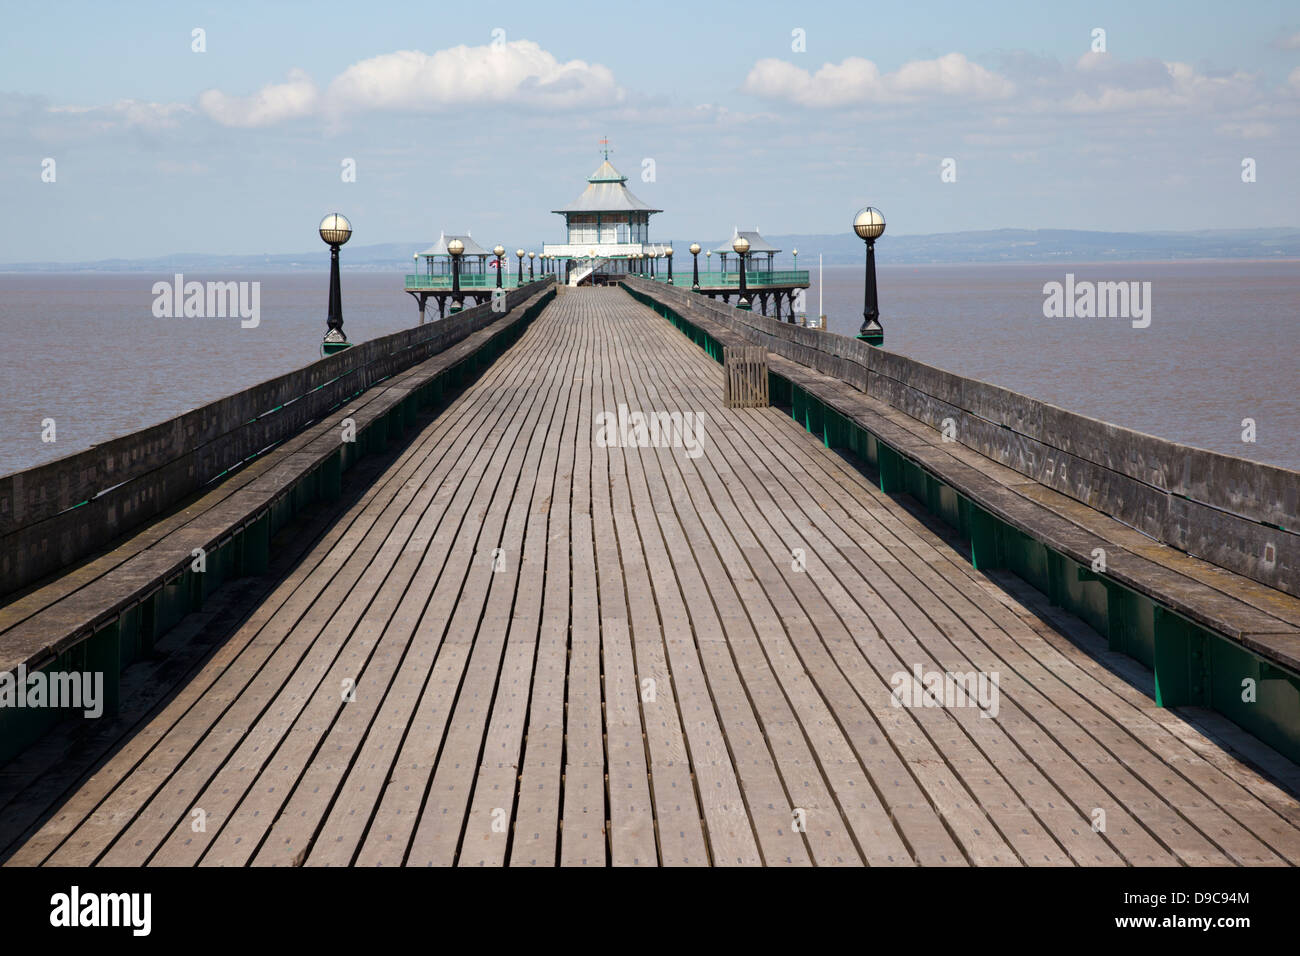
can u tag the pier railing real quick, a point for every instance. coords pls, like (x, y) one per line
(754, 279)
(438, 283)
(1236, 513)
(55, 514)
(1186, 559)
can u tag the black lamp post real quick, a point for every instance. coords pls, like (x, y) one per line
(499, 250)
(531, 256)
(455, 249)
(869, 224)
(669, 256)
(520, 254)
(695, 256)
(335, 230)
(741, 245)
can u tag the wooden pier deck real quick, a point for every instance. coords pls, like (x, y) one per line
(519, 647)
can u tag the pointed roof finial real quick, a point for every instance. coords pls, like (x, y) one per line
(604, 142)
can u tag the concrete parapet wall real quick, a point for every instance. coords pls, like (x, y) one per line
(1229, 511)
(58, 513)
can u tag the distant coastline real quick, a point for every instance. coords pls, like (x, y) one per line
(1010, 246)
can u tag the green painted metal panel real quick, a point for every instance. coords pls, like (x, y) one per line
(1180, 661)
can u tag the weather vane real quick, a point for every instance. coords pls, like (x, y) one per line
(604, 142)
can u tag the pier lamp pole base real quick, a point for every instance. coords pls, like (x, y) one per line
(334, 342)
(871, 333)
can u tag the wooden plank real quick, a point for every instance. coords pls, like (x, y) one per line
(678, 818)
(454, 615)
(879, 609)
(894, 552)
(503, 716)
(953, 615)
(632, 838)
(496, 788)
(331, 576)
(442, 820)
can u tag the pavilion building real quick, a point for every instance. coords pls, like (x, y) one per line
(758, 246)
(607, 229)
(437, 260)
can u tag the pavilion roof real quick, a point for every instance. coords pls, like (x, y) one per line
(606, 192)
(757, 244)
(439, 248)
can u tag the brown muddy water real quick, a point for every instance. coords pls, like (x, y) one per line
(87, 350)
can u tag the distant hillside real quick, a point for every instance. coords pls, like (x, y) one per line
(1063, 245)
(995, 245)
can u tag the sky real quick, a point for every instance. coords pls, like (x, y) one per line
(119, 137)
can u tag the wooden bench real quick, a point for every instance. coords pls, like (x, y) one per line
(1202, 628)
(109, 609)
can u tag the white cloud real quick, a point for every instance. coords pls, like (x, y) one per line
(1290, 43)
(271, 104)
(130, 113)
(1178, 86)
(1095, 83)
(517, 72)
(857, 80)
(1247, 130)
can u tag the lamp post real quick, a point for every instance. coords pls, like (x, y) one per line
(869, 224)
(741, 245)
(669, 255)
(335, 230)
(520, 254)
(531, 257)
(498, 250)
(455, 249)
(695, 267)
